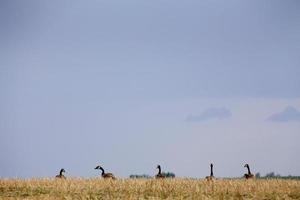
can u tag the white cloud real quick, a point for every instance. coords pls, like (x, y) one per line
(210, 113)
(290, 113)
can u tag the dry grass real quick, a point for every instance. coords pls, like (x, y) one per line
(178, 188)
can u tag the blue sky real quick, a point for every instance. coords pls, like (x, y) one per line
(133, 84)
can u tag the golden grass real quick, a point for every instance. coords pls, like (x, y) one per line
(178, 188)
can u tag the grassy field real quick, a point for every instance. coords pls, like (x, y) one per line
(177, 188)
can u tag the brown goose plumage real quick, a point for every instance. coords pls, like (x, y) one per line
(159, 174)
(211, 177)
(105, 175)
(248, 175)
(60, 175)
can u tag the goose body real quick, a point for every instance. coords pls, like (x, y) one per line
(159, 174)
(211, 177)
(60, 175)
(249, 175)
(105, 175)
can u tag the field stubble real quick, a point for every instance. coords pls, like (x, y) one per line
(177, 188)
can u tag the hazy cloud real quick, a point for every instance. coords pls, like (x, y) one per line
(210, 113)
(288, 114)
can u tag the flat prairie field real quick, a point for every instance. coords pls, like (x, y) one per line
(176, 188)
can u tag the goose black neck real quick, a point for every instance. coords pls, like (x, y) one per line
(102, 170)
(159, 170)
(211, 170)
(61, 172)
(249, 172)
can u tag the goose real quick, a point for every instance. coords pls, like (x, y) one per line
(60, 175)
(105, 175)
(249, 175)
(211, 177)
(159, 174)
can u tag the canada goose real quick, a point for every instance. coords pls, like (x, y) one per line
(249, 175)
(105, 175)
(159, 174)
(211, 177)
(60, 175)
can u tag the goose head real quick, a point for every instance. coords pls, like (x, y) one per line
(98, 167)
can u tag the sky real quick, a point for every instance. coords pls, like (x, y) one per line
(132, 84)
